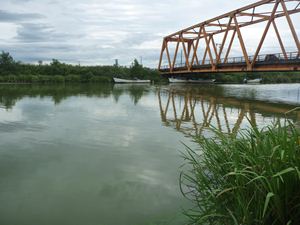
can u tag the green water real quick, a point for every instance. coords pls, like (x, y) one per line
(110, 155)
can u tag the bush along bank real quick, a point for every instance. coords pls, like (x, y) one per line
(58, 72)
(251, 178)
(46, 79)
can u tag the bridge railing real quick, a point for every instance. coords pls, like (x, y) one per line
(278, 58)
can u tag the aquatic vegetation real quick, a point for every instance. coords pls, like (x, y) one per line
(250, 179)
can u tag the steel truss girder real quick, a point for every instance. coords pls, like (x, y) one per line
(190, 37)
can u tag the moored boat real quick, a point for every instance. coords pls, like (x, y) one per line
(191, 81)
(253, 81)
(125, 81)
(176, 80)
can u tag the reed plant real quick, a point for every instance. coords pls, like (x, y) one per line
(249, 179)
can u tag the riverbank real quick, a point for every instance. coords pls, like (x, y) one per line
(267, 78)
(12, 71)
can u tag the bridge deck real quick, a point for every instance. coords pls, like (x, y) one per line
(270, 62)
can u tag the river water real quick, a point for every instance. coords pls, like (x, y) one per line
(111, 155)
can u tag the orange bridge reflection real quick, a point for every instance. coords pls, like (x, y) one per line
(192, 113)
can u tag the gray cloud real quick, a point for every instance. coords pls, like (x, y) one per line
(40, 32)
(6, 16)
(29, 32)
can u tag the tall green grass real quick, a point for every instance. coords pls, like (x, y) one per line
(252, 178)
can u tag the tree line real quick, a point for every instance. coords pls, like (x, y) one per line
(12, 71)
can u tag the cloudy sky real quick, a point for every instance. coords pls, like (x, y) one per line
(98, 31)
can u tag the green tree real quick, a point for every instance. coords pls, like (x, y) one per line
(58, 68)
(7, 63)
(6, 58)
(136, 70)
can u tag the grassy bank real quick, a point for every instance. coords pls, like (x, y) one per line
(250, 179)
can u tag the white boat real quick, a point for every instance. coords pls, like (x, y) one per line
(175, 80)
(191, 81)
(125, 81)
(254, 81)
(202, 81)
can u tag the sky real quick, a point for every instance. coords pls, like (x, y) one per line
(93, 32)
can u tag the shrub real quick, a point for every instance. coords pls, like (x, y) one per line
(283, 79)
(11, 78)
(100, 79)
(250, 179)
(33, 78)
(72, 78)
(58, 79)
(44, 79)
(85, 78)
(23, 79)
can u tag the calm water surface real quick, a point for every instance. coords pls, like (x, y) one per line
(110, 155)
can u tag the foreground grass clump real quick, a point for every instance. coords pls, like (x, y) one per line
(251, 179)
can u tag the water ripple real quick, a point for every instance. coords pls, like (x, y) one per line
(11, 127)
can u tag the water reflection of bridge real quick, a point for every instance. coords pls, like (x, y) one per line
(192, 114)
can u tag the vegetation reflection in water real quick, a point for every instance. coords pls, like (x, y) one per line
(74, 167)
(10, 94)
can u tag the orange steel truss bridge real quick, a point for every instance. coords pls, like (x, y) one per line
(200, 53)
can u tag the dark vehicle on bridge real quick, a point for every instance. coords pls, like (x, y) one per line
(271, 58)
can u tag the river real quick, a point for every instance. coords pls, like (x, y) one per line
(111, 154)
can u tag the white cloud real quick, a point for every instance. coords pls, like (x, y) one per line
(8, 31)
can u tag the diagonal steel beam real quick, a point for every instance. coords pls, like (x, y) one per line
(241, 42)
(295, 36)
(175, 56)
(168, 55)
(224, 41)
(280, 40)
(185, 55)
(195, 55)
(214, 46)
(205, 52)
(208, 47)
(230, 46)
(265, 33)
(196, 47)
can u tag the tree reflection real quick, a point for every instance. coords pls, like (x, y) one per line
(11, 94)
